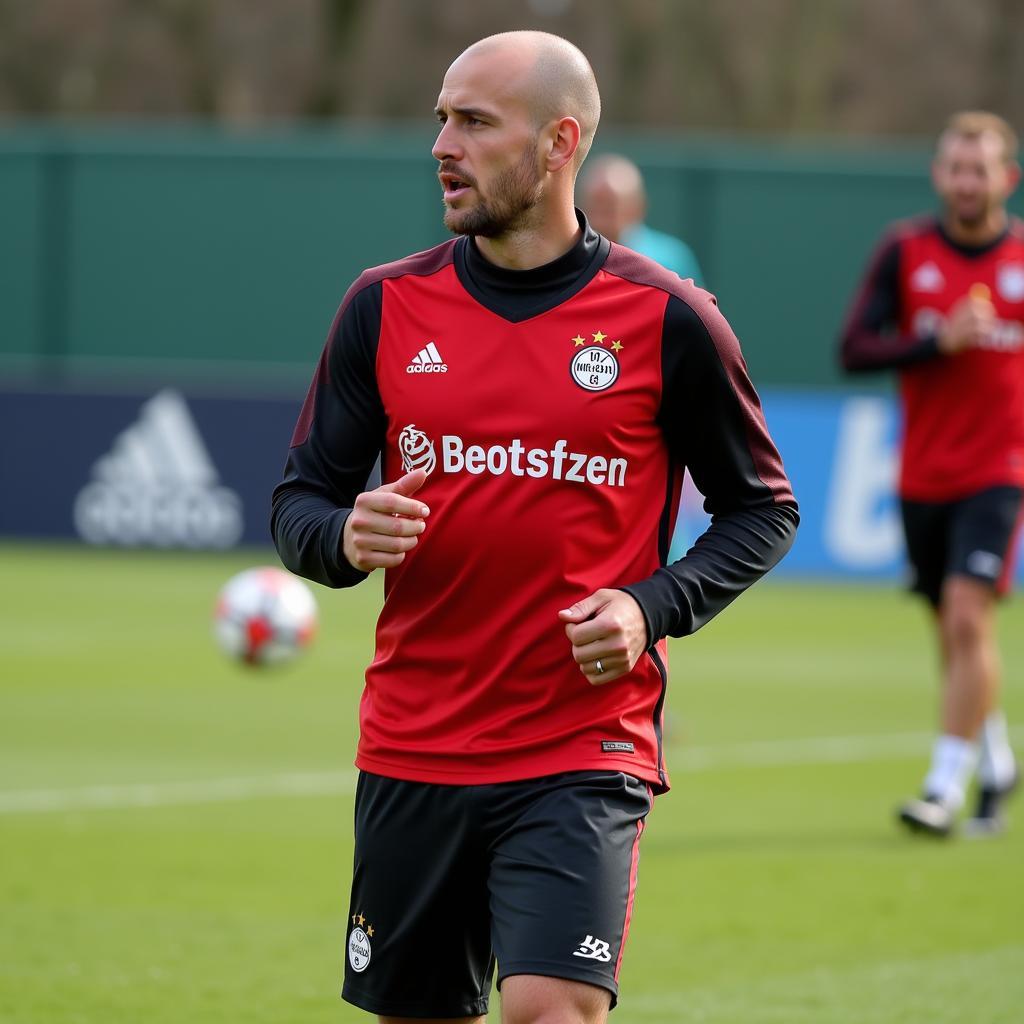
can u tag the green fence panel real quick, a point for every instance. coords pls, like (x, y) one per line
(184, 253)
(21, 257)
(239, 256)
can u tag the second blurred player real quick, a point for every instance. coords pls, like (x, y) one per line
(943, 303)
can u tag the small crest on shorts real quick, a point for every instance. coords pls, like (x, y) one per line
(617, 747)
(359, 943)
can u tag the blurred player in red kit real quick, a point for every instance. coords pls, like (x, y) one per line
(943, 304)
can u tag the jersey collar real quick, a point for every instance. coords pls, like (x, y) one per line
(517, 295)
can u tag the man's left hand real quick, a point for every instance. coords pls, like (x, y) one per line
(607, 627)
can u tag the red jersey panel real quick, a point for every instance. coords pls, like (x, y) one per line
(543, 452)
(554, 411)
(963, 414)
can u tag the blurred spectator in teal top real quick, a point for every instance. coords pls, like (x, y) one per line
(613, 198)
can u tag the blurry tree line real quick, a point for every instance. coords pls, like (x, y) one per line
(780, 67)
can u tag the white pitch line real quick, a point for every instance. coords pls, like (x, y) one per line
(159, 794)
(764, 753)
(807, 750)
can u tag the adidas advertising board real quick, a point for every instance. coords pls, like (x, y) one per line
(159, 469)
(157, 486)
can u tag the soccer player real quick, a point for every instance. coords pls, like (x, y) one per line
(943, 304)
(534, 392)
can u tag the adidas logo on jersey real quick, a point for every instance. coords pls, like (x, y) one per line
(427, 360)
(158, 486)
(927, 278)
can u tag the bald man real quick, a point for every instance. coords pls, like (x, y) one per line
(615, 201)
(534, 392)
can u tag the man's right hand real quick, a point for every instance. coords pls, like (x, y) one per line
(970, 323)
(385, 523)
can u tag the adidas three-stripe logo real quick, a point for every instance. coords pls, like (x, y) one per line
(158, 486)
(427, 360)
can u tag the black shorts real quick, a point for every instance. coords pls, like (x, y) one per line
(538, 874)
(973, 536)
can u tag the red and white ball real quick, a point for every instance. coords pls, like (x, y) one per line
(264, 616)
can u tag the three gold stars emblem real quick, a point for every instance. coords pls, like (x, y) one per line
(360, 920)
(598, 339)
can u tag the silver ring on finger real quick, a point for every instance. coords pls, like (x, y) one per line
(600, 667)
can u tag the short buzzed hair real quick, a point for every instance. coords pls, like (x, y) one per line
(564, 84)
(571, 88)
(972, 124)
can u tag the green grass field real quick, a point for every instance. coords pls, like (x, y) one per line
(175, 832)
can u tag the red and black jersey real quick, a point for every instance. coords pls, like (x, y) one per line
(555, 410)
(963, 414)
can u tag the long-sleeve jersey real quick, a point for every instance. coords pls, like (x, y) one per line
(963, 414)
(554, 410)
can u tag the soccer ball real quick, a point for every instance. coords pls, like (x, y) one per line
(264, 616)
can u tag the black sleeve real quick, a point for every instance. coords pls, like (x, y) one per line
(713, 423)
(870, 339)
(337, 439)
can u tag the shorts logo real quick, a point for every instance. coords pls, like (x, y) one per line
(359, 944)
(985, 564)
(417, 450)
(616, 747)
(594, 949)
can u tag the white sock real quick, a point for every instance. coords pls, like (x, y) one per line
(997, 765)
(953, 760)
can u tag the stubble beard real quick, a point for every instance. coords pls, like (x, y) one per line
(976, 216)
(514, 194)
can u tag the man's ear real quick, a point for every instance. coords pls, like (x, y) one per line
(1013, 173)
(564, 140)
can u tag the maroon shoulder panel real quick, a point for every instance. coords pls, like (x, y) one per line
(633, 267)
(420, 264)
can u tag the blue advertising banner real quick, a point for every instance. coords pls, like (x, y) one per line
(841, 454)
(168, 469)
(141, 470)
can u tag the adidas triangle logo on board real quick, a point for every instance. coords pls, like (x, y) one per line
(427, 360)
(158, 487)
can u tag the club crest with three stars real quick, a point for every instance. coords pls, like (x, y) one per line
(595, 365)
(359, 943)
